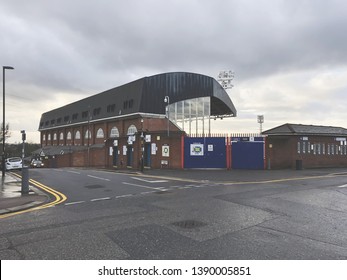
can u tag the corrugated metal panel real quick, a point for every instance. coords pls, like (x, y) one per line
(146, 95)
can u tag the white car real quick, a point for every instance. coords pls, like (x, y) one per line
(13, 163)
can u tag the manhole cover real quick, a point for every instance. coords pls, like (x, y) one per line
(189, 224)
(94, 186)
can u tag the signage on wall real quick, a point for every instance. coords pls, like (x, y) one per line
(197, 149)
(165, 150)
(154, 149)
(210, 148)
(148, 138)
(131, 139)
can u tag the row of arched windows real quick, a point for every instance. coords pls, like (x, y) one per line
(114, 133)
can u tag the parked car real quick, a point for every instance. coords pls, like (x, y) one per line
(36, 163)
(13, 163)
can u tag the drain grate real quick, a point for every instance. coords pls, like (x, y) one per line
(189, 224)
(94, 186)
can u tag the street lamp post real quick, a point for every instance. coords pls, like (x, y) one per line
(3, 117)
(167, 100)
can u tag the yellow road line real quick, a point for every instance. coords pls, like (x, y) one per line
(58, 198)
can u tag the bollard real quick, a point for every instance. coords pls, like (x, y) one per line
(25, 180)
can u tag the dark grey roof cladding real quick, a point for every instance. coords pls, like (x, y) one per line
(145, 95)
(300, 129)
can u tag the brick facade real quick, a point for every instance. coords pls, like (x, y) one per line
(109, 151)
(311, 151)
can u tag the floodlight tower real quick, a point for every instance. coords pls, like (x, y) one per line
(260, 121)
(225, 78)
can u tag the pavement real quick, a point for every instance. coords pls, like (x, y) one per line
(12, 200)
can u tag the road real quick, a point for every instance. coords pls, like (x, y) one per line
(128, 216)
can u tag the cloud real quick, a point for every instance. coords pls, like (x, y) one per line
(288, 56)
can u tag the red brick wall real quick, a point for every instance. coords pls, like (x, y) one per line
(284, 152)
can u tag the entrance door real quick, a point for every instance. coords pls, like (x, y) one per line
(115, 156)
(129, 156)
(147, 155)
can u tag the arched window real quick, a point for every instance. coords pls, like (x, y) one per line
(100, 133)
(132, 130)
(44, 137)
(78, 135)
(88, 134)
(61, 136)
(54, 136)
(49, 137)
(114, 132)
(68, 136)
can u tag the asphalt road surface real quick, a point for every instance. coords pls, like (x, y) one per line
(127, 216)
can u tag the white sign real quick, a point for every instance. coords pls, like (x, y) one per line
(196, 149)
(154, 149)
(165, 150)
(110, 151)
(115, 143)
(210, 148)
(131, 139)
(148, 138)
(124, 150)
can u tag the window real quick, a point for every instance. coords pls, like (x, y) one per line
(61, 136)
(114, 132)
(128, 104)
(88, 134)
(304, 147)
(96, 111)
(44, 137)
(125, 105)
(77, 135)
(49, 137)
(298, 147)
(74, 116)
(54, 136)
(100, 133)
(52, 121)
(59, 120)
(111, 108)
(84, 114)
(323, 148)
(132, 130)
(68, 136)
(66, 118)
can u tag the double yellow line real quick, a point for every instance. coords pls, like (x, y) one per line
(58, 198)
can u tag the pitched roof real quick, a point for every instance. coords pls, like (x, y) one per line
(301, 129)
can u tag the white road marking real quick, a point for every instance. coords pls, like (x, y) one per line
(124, 195)
(150, 181)
(148, 192)
(74, 172)
(343, 186)
(141, 186)
(76, 202)
(102, 198)
(95, 177)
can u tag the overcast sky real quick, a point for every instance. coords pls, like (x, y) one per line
(289, 57)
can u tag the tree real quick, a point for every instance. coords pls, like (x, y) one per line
(7, 132)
